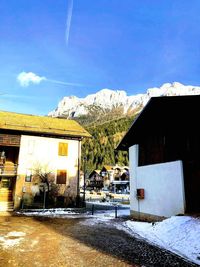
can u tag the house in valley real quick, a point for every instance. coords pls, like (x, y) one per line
(164, 157)
(120, 182)
(107, 174)
(30, 143)
(95, 180)
(114, 178)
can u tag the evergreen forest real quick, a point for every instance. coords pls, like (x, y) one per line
(100, 149)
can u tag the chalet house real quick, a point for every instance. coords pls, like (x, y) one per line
(120, 182)
(115, 178)
(107, 175)
(95, 180)
(28, 141)
(164, 156)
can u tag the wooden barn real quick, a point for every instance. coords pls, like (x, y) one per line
(164, 155)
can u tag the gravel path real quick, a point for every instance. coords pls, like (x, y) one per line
(61, 242)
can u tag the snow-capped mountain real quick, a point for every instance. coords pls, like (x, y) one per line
(107, 100)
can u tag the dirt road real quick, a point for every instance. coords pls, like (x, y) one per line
(45, 242)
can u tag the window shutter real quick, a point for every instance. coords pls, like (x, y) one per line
(63, 149)
(60, 149)
(61, 177)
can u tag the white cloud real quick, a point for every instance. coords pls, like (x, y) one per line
(26, 78)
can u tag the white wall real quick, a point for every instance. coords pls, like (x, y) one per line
(44, 150)
(36, 150)
(163, 185)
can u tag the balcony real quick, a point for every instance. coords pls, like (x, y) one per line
(8, 169)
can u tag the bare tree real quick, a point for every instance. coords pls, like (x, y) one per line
(42, 175)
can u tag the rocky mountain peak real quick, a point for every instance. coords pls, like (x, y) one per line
(107, 100)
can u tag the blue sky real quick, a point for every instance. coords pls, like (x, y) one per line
(77, 47)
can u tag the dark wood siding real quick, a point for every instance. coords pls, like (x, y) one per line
(10, 140)
(151, 150)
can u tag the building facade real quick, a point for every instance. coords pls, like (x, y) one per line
(35, 148)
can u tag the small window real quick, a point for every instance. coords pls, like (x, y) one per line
(63, 149)
(61, 177)
(28, 176)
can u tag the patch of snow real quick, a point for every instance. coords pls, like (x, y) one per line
(122, 210)
(108, 203)
(15, 234)
(11, 239)
(59, 212)
(106, 216)
(178, 234)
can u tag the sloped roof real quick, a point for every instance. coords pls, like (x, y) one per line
(41, 124)
(120, 167)
(107, 167)
(175, 115)
(94, 172)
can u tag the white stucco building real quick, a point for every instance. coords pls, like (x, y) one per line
(29, 144)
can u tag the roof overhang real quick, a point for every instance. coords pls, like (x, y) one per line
(41, 125)
(163, 115)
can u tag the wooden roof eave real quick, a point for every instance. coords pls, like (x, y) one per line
(132, 134)
(11, 121)
(47, 133)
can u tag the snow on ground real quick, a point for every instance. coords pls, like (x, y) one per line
(11, 239)
(178, 234)
(101, 209)
(59, 212)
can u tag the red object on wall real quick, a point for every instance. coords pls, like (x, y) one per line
(140, 193)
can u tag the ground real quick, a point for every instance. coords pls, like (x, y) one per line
(46, 241)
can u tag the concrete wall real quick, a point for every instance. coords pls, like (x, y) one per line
(163, 185)
(43, 151)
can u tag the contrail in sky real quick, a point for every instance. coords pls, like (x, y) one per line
(64, 83)
(69, 18)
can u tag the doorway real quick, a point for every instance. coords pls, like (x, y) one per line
(5, 183)
(192, 186)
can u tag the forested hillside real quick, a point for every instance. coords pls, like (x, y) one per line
(100, 150)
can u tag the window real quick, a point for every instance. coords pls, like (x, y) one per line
(61, 177)
(63, 149)
(28, 175)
